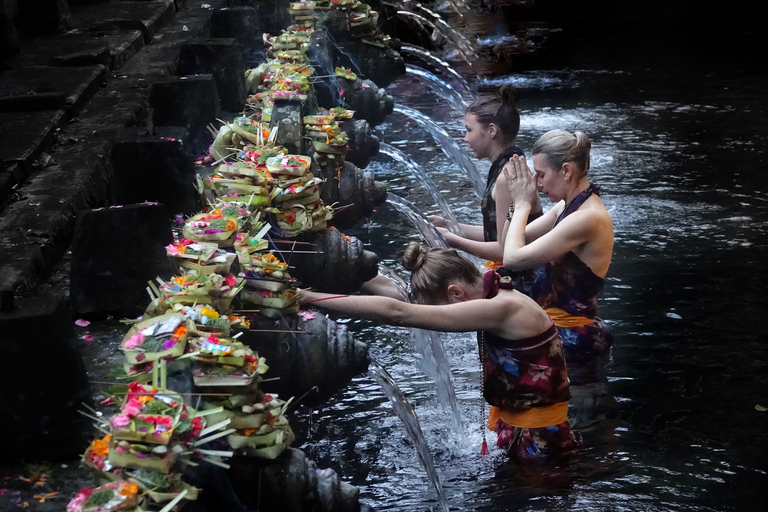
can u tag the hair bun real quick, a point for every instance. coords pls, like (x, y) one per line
(509, 94)
(414, 256)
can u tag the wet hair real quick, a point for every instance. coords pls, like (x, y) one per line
(561, 146)
(499, 109)
(432, 270)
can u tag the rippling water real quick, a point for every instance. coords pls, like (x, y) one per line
(679, 146)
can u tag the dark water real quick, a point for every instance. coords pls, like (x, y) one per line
(676, 108)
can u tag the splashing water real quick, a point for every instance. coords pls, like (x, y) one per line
(434, 363)
(429, 233)
(407, 415)
(419, 172)
(449, 146)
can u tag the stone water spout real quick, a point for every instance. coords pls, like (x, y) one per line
(339, 265)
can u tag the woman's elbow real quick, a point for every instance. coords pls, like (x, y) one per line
(512, 263)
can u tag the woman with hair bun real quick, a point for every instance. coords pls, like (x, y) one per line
(492, 123)
(524, 374)
(570, 246)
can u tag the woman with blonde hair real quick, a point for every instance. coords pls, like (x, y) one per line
(570, 246)
(524, 374)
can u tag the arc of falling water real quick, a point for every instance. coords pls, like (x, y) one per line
(428, 232)
(440, 87)
(461, 83)
(435, 362)
(462, 45)
(449, 146)
(425, 180)
(407, 415)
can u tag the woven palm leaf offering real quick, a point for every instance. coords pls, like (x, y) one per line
(345, 73)
(144, 410)
(268, 440)
(223, 361)
(116, 496)
(244, 410)
(203, 257)
(208, 320)
(288, 165)
(214, 289)
(272, 304)
(156, 338)
(147, 416)
(213, 226)
(294, 219)
(265, 271)
(326, 137)
(96, 457)
(161, 487)
(286, 41)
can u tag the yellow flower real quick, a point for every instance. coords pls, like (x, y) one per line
(211, 313)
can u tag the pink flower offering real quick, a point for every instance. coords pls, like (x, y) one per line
(134, 341)
(120, 421)
(132, 408)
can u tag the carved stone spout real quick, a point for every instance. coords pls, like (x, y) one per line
(341, 266)
(353, 192)
(363, 144)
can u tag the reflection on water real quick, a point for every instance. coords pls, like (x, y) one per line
(673, 426)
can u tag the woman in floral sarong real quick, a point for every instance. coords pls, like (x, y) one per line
(524, 374)
(570, 246)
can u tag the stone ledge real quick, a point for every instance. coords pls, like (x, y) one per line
(88, 48)
(24, 136)
(147, 16)
(37, 229)
(76, 84)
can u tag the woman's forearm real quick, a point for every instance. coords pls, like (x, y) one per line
(472, 232)
(482, 249)
(381, 309)
(514, 237)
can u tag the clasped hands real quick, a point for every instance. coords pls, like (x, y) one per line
(520, 181)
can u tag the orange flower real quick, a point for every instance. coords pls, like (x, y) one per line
(129, 489)
(100, 447)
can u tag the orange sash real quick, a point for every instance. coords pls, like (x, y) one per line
(565, 319)
(535, 417)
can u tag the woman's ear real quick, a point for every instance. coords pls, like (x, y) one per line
(567, 169)
(455, 293)
(493, 130)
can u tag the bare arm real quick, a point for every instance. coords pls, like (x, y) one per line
(569, 235)
(473, 315)
(382, 286)
(470, 231)
(486, 250)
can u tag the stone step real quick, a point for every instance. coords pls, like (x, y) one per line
(24, 136)
(76, 84)
(148, 16)
(109, 48)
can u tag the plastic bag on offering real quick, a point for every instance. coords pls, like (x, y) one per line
(120, 495)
